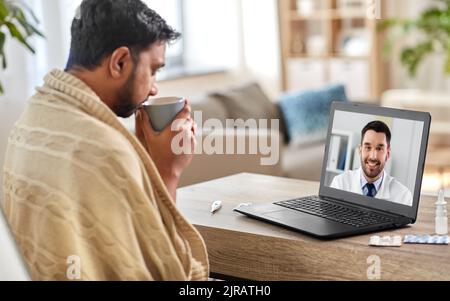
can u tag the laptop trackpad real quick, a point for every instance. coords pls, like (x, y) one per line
(285, 215)
(305, 222)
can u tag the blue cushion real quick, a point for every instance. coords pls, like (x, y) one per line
(306, 113)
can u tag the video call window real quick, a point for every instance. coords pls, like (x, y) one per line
(375, 156)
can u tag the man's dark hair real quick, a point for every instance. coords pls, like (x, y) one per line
(102, 26)
(378, 127)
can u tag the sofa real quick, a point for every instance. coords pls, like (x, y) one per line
(248, 101)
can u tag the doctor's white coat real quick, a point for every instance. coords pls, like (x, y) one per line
(390, 190)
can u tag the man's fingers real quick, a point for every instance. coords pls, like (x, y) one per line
(190, 138)
(188, 105)
(146, 127)
(146, 123)
(194, 128)
(194, 142)
(138, 126)
(185, 113)
(181, 124)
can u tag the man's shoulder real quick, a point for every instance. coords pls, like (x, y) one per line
(343, 180)
(74, 129)
(102, 138)
(399, 186)
(55, 116)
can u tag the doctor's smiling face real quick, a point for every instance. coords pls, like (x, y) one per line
(375, 150)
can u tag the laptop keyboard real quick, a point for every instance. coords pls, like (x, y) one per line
(335, 212)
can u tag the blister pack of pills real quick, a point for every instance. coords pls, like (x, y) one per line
(386, 241)
(427, 239)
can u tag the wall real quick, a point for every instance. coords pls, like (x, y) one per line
(231, 34)
(262, 43)
(212, 34)
(407, 150)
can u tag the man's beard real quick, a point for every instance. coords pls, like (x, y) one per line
(125, 107)
(375, 171)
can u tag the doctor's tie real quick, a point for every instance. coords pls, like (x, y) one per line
(370, 190)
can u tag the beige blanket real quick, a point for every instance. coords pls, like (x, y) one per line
(84, 199)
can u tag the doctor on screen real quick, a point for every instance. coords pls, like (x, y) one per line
(371, 179)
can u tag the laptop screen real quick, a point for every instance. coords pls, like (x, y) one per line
(375, 155)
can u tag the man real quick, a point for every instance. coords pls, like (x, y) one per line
(85, 198)
(371, 179)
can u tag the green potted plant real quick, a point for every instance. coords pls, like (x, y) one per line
(15, 18)
(434, 24)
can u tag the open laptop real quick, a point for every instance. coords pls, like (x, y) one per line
(369, 182)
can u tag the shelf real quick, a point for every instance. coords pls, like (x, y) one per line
(327, 36)
(327, 56)
(349, 57)
(295, 16)
(329, 14)
(349, 14)
(308, 56)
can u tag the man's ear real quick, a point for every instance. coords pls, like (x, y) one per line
(388, 155)
(120, 63)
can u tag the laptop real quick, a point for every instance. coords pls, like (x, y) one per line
(371, 175)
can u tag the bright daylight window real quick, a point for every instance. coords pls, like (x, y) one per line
(172, 12)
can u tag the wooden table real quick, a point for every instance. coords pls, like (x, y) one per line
(243, 248)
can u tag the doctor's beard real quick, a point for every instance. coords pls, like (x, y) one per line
(372, 173)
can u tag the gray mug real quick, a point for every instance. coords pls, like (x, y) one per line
(162, 111)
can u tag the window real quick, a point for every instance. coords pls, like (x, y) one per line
(172, 12)
(210, 35)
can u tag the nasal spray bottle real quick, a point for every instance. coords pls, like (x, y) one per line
(441, 215)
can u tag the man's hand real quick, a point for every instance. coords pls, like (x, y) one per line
(159, 145)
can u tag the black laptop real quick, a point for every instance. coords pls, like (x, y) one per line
(371, 175)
